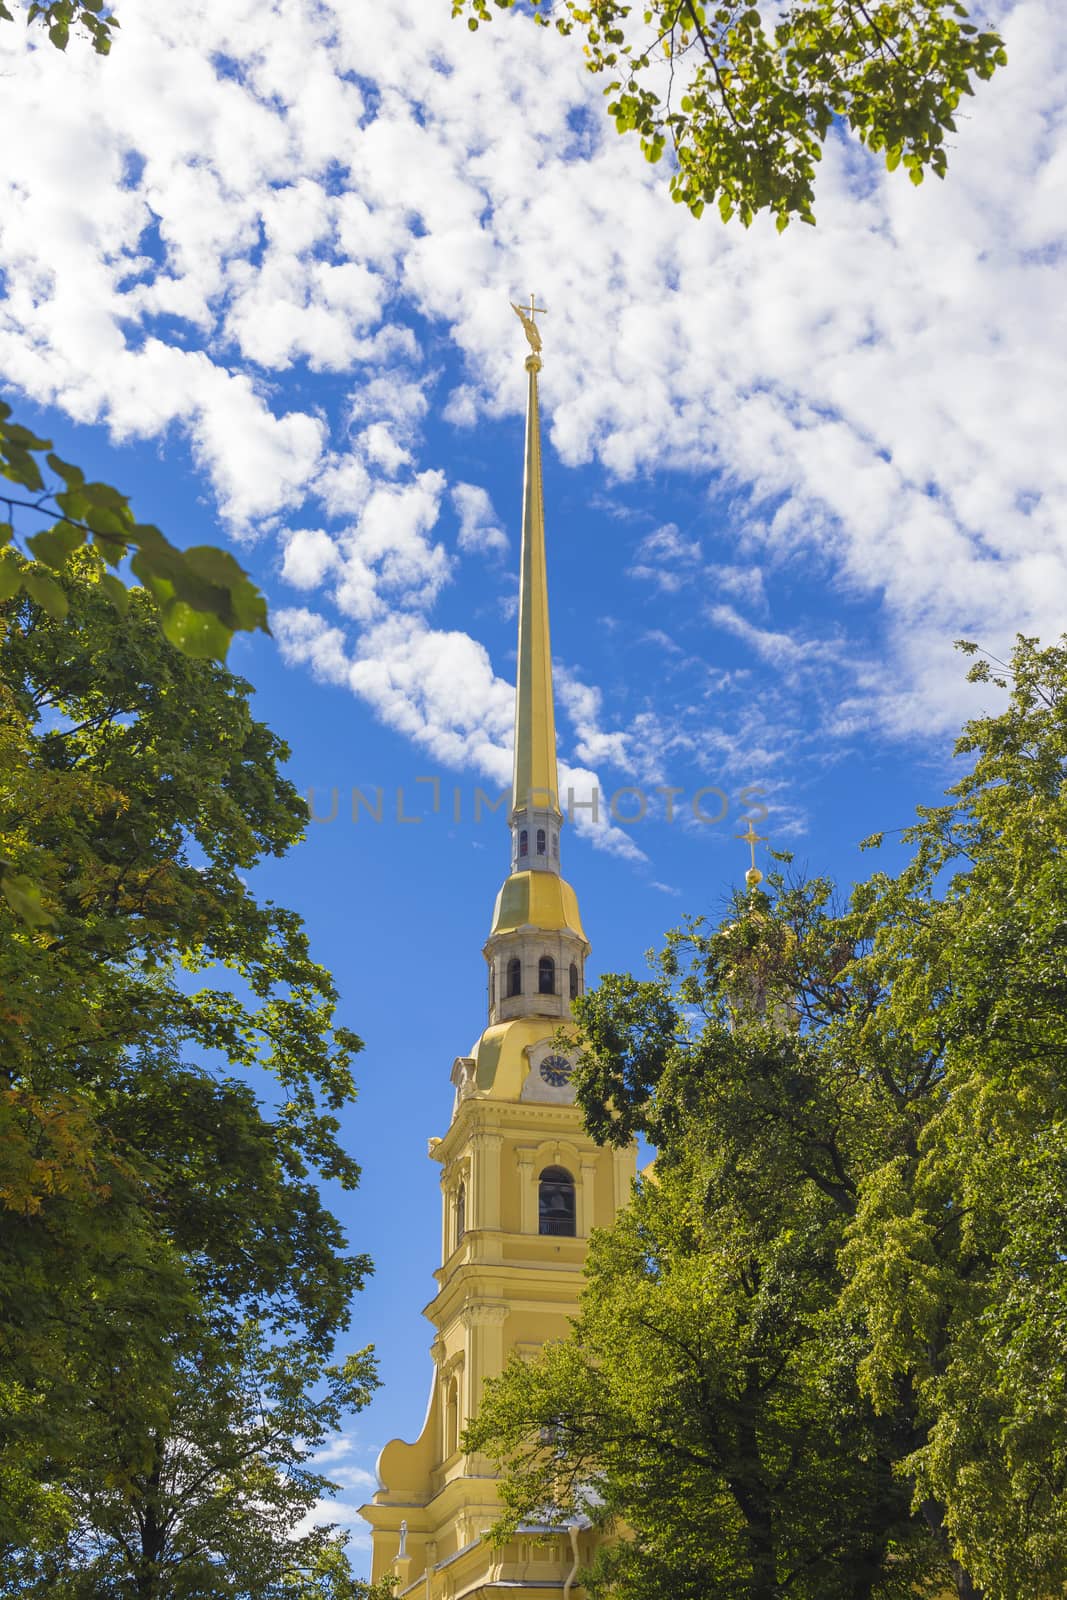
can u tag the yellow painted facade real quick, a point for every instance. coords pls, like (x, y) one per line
(522, 1184)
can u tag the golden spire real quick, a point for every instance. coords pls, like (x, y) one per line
(536, 782)
(753, 877)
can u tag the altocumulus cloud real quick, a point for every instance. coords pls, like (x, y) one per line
(241, 190)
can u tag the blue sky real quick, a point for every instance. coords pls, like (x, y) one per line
(256, 270)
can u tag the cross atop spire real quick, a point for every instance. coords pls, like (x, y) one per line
(753, 877)
(526, 315)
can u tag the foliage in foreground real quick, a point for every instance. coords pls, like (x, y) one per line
(58, 17)
(202, 595)
(743, 96)
(172, 1287)
(844, 1282)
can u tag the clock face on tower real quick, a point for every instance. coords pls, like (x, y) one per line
(556, 1070)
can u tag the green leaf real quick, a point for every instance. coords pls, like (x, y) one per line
(72, 503)
(102, 494)
(46, 592)
(214, 565)
(72, 476)
(109, 523)
(24, 898)
(196, 633)
(116, 592)
(10, 574)
(6, 533)
(22, 436)
(55, 546)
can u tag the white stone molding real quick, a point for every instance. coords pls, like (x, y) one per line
(485, 1314)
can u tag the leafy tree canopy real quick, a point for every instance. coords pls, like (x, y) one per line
(743, 95)
(205, 1502)
(162, 1225)
(851, 1241)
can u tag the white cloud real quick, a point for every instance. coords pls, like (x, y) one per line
(305, 637)
(387, 555)
(779, 649)
(667, 544)
(338, 1461)
(380, 445)
(880, 394)
(438, 688)
(662, 578)
(583, 704)
(478, 522)
(665, 559)
(741, 583)
(310, 554)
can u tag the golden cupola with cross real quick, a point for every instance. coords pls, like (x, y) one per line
(522, 1184)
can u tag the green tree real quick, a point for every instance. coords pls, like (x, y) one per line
(896, 1071)
(205, 1502)
(743, 96)
(709, 1397)
(202, 595)
(154, 1208)
(957, 1259)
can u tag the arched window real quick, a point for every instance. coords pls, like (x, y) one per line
(541, 845)
(492, 987)
(555, 845)
(514, 976)
(546, 975)
(524, 842)
(461, 1213)
(574, 980)
(555, 1202)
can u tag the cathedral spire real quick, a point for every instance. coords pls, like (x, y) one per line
(536, 948)
(535, 817)
(536, 782)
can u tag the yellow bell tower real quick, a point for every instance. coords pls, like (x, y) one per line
(522, 1184)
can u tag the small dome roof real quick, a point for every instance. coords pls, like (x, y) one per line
(537, 900)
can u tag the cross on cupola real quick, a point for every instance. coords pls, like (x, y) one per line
(753, 877)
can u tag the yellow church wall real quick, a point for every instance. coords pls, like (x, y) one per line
(500, 1291)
